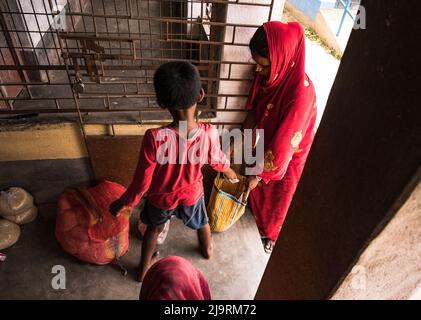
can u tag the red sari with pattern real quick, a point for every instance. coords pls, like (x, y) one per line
(285, 107)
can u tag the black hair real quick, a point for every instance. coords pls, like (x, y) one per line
(259, 43)
(177, 85)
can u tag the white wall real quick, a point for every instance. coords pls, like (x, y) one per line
(241, 14)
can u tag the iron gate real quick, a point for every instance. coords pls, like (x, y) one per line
(94, 58)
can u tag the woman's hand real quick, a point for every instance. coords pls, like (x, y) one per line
(116, 207)
(252, 182)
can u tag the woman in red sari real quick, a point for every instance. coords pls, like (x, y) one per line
(174, 278)
(281, 101)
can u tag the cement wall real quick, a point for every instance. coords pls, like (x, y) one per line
(54, 141)
(32, 155)
(311, 7)
(308, 7)
(317, 23)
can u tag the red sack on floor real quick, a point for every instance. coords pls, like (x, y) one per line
(86, 229)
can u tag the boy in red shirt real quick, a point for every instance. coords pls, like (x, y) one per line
(170, 162)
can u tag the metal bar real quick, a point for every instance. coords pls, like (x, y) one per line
(40, 34)
(346, 11)
(157, 19)
(99, 56)
(3, 94)
(100, 95)
(82, 35)
(9, 41)
(93, 110)
(236, 2)
(156, 122)
(83, 20)
(113, 47)
(270, 11)
(131, 77)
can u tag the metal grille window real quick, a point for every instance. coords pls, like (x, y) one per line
(96, 58)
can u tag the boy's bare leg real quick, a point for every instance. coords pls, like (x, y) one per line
(205, 241)
(148, 246)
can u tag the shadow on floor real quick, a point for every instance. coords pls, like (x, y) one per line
(233, 273)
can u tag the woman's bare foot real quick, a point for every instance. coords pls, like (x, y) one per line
(205, 241)
(268, 245)
(142, 271)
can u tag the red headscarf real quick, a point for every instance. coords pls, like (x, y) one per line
(284, 103)
(174, 278)
(286, 48)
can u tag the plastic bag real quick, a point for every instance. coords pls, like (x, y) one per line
(24, 217)
(15, 201)
(9, 233)
(86, 229)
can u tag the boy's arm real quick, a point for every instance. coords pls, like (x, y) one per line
(142, 178)
(216, 157)
(230, 174)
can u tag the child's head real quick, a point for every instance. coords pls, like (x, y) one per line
(177, 85)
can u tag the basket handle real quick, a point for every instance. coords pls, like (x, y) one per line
(244, 195)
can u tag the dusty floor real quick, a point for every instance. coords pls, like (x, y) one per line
(399, 244)
(233, 273)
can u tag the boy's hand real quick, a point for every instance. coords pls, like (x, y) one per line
(115, 207)
(230, 174)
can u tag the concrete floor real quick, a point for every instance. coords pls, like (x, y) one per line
(233, 273)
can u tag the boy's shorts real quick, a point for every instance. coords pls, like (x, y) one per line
(194, 216)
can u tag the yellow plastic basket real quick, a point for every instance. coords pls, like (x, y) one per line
(227, 203)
